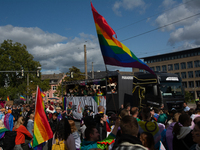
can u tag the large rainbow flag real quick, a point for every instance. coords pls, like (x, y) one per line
(42, 129)
(8, 99)
(22, 97)
(114, 52)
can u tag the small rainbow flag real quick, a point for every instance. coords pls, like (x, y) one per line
(22, 98)
(64, 99)
(8, 99)
(42, 129)
(42, 93)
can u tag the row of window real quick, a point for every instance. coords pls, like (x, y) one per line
(189, 74)
(176, 66)
(190, 84)
(53, 95)
(172, 57)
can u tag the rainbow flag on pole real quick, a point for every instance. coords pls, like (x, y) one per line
(8, 99)
(22, 98)
(42, 93)
(114, 52)
(42, 129)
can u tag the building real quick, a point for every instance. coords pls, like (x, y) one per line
(54, 81)
(184, 63)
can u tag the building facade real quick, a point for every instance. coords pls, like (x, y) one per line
(184, 63)
(54, 81)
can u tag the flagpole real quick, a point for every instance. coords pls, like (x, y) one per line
(111, 90)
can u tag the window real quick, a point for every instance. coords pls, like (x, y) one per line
(183, 65)
(176, 66)
(164, 68)
(152, 68)
(141, 70)
(191, 84)
(190, 74)
(189, 64)
(183, 75)
(47, 94)
(170, 67)
(197, 83)
(157, 68)
(197, 73)
(54, 87)
(178, 74)
(196, 63)
(54, 95)
(184, 84)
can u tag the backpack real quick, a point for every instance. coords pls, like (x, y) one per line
(59, 145)
(9, 140)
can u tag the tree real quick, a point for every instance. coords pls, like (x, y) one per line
(77, 75)
(188, 96)
(15, 57)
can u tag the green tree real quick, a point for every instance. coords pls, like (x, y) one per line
(77, 75)
(15, 57)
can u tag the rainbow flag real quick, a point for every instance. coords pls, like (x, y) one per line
(22, 98)
(114, 52)
(42, 93)
(8, 99)
(64, 99)
(42, 129)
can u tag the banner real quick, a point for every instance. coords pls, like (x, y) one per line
(78, 104)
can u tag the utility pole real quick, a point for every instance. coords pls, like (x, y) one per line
(27, 100)
(85, 58)
(92, 71)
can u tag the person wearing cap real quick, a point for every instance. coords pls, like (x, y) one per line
(50, 110)
(58, 111)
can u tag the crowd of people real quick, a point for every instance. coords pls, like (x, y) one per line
(135, 128)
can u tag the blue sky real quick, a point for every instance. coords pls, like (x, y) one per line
(55, 31)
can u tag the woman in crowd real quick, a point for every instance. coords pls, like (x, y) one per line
(75, 134)
(63, 134)
(101, 125)
(21, 143)
(196, 136)
(147, 140)
(182, 133)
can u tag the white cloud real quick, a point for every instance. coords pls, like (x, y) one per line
(56, 53)
(128, 5)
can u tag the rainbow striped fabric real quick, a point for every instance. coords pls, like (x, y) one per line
(42, 93)
(42, 129)
(64, 99)
(114, 52)
(8, 99)
(22, 98)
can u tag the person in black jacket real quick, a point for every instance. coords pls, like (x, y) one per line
(182, 133)
(53, 124)
(101, 125)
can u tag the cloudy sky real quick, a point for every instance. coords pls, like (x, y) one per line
(55, 31)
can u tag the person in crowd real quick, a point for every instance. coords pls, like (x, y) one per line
(157, 112)
(58, 111)
(15, 112)
(50, 110)
(120, 109)
(198, 106)
(134, 112)
(169, 135)
(53, 124)
(147, 140)
(69, 111)
(99, 92)
(22, 132)
(30, 124)
(162, 117)
(128, 139)
(63, 133)
(146, 125)
(75, 134)
(101, 120)
(82, 125)
(91, 140)
(128, 107)
(9, 120)
(196, 136)
(152, 114)
(182, 133)
(197, 101)
(101, 109)
(186, 108)
(29, 112)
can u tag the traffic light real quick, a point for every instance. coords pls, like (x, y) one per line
(71, 75)
(22, 72)
(38, 73)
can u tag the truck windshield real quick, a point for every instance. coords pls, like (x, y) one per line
(171, 89)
